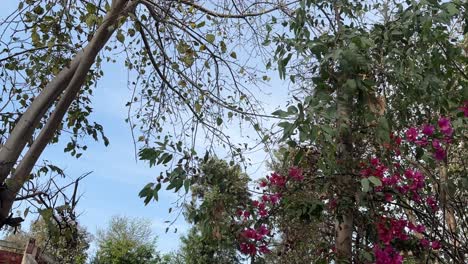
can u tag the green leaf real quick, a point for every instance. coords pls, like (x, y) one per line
(223, 46)
(365, 185)
(376, 181)
(156, 190)
(198, 107)
(201, 24)
(210, 38)
(233, 55)
(166, 158)
(120, 36)
(26, 212)
(219, 121)
(383, 130)
(187, 185)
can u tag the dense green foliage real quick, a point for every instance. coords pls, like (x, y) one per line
(126, 240)
(218, 190)
(67, 245)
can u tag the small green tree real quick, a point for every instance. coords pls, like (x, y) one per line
(65, 245)
(219, 189)
(126, 241)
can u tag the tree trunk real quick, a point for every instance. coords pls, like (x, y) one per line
(449, 213)
(345, 185)
(69, 80)
(344, 222)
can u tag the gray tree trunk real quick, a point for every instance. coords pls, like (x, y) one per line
(66, 85)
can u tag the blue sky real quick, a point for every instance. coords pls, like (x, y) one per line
(112, 188)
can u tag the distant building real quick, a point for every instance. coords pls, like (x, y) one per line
(11, 253)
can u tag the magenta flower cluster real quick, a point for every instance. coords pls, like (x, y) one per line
(253, 241)
(431, 138)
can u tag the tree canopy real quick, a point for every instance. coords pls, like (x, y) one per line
(370, 150)
(126, 240)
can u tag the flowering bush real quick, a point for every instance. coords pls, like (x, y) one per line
(396, 186)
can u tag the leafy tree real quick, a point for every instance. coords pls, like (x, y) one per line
(64, 246)
(181, 53)
(215, 195)
(126, 241)
(364, 79)
(371, 76)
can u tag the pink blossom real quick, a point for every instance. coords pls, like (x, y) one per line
(435, 245)
(398, 141)
(274, 198)
(416, 197)
(263, 230)
(419, 228)
(296, 174)
(409, 173)
(388, 197)
(366, 172)
(264, 249)
(255, 203)
(464, 108)
(445, 126)
(263, 213)
(388, 255)
(436, 144)
(422, 142)
(261, 206)
(246, 214)
(263, 184)
(411, 134)
(249, 233)
(432, 203)
(239, 212)
(248, 248)
(439, 154)
(277, 179)
(428, 130)
(375, 161)
(424, 242)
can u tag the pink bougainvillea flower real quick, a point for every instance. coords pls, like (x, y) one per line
(255, 203)
(264, 249)
(248, 248)
(274, 198)
(388, 255)
(419, 228)
(428, 130)
(422, 142)
(432, 203)
(249, 233)
(445, 126)
(388, 197)
(424, 242)
(263, 184)
(366, 172)
(263, 213)
(436, 144)
(246, 214)
(464, 109)
(375, 161)
(239, 212)
(411, 134)
(277, 180)
(296, 174)
(435, 245)
(333, 203)
(261, 206)
(439, 154)
(263, 230)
